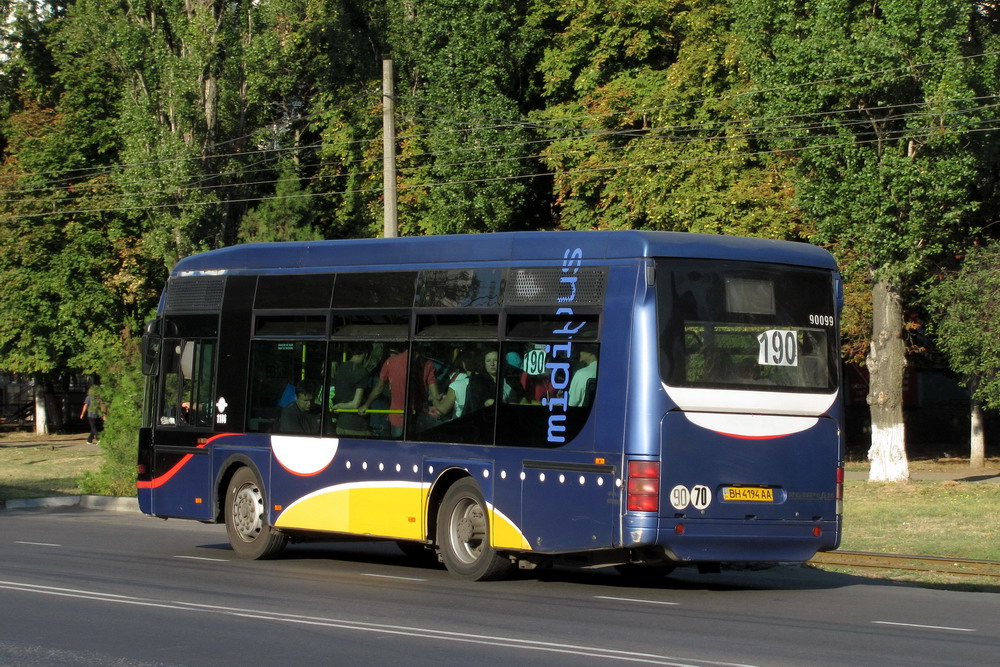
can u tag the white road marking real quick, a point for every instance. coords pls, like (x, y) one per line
(924, 627)
(389, 576)
(607, 597)
(380, 628)
(37, 544)
(215, 560)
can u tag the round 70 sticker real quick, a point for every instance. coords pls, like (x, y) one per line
(699, 495)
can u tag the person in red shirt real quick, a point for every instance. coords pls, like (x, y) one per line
(393, 375)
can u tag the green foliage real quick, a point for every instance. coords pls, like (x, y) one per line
(466, 154)
(967, 305)
(660, 142)
(880, 109)
(119, 443)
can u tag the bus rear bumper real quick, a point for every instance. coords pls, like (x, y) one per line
(704, 540)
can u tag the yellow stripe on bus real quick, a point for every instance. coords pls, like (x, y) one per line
(383, 510)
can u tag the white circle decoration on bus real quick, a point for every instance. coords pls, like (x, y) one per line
(304, 456)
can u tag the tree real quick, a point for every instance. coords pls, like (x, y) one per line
(967, 304)
(879, 104)
(647, 125)
(466, 158)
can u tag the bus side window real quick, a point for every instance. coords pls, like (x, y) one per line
(286, 387)
(354, 368)
(553, 388)
(465, 379)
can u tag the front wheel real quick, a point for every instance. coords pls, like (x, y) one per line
(463, 535)
(246, 518)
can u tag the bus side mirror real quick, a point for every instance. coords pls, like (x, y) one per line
(151, 343)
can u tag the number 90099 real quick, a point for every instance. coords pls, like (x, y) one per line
(821, 320)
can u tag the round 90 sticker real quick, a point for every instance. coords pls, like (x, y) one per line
(680, 497)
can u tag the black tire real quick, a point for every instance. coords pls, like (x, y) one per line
(463, 535)
(246, 518)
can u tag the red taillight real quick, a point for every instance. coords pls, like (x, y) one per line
(643, 486)
(141, 469)
(840, 483)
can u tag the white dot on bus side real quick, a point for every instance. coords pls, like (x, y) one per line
(415, 469)
(348, 464)
(562, 479)
(618, 483)
(541, 477)
(523, 476)
(430, 470)
(381, 467)
(503, 474)
(582, 480)
(364, 465)
(398, 467)
(600, 481)
(486, 474)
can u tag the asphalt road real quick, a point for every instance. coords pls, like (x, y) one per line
(81, 587)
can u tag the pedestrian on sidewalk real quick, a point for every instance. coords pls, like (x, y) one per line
(93, 409)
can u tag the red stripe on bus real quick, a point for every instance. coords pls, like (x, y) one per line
(165, 477)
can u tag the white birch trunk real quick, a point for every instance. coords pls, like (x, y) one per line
(977, 438)
(41, 411)
(886, 361)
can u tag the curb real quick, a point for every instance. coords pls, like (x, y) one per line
(106, 503)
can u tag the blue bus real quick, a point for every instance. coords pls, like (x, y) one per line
(643, 400)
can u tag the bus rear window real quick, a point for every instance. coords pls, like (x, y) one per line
(736, 325)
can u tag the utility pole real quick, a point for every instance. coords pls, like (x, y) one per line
(391, 223)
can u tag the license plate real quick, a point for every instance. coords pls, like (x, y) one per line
(748, 494)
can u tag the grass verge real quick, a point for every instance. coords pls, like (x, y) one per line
(44, 466)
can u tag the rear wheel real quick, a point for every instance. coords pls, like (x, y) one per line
(463, 535)
(246, 518)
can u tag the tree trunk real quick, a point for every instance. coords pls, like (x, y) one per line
(977, 439)
(41, 409)
(886, 360)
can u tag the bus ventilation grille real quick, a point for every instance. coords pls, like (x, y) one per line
(554, 287)
(198, 294)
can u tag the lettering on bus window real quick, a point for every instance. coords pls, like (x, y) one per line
(550, 363)
(778, 348)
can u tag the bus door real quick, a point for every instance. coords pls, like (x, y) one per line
(181, 476)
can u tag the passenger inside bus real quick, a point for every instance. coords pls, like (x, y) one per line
(393, 375)
(299, 416)
(584, 378)
(350, 382)
(452, 403)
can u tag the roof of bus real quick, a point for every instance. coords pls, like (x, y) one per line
(501, 247)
